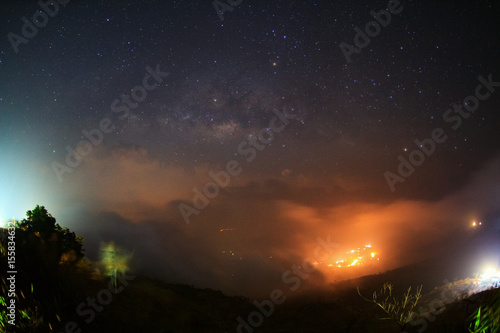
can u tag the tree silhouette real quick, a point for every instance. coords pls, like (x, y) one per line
(50, 281)
(115, 260)
(40, 221)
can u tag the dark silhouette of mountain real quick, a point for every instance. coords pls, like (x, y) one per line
(57, 290)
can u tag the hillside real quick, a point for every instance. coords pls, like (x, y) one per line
(57, 289)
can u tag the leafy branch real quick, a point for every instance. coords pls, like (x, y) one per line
(400, 311)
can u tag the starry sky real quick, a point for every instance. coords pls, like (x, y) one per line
(170, 93)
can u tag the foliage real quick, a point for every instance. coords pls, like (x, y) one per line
(487, 319)
(400, 311)
(27, 312)
(52, 273)
(115, 260)
(40, 221)
(70, 242)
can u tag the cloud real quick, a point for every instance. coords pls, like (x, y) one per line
(270, 224)
(128, 181)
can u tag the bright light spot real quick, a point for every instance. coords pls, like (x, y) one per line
(354, 262)
(372, 254)
(476, 224)
(491, 274)
(4, 223)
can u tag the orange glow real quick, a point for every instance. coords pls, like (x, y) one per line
(354, 262)
(353, 258)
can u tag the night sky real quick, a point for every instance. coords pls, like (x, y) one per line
(167, 96)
